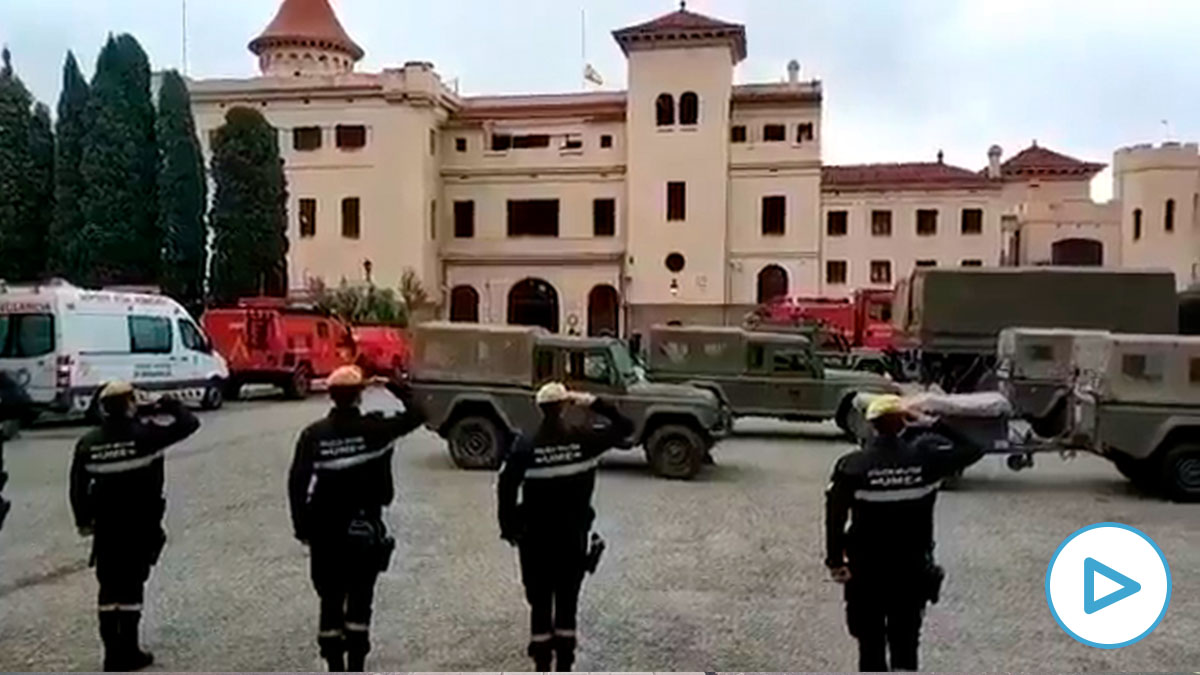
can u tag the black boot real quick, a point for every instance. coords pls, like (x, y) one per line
(358, 643)
(110, 635)
(132, 656)
(333, 651)
(543, 656)
(564, 649)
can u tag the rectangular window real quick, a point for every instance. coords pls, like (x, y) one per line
(774, 132)
(351, 227)
(149, 335)
(804, 132)
(926, 263)
(306, 138)
(1043, 353)
(676, 201)
(972, 221)
(351, 137)
(533, 217)
(604, 217)
(1193, 371)
(972, 262)
(1147, 368)
(835, 271)
(432, 142)
(191, 337)
(737, 133)
(1169, 216)
(835, 223)
(501, 142)
(572, 142)
(790, 362)
(926, 222)
(26, 335)
(531, 141)
(881, 271)
(1137, 224)
(432, 219)
(606, 140)
(881, 223)
(460, 144)
(774, 215)
(308, 217)
(543, 360)
(464, 219)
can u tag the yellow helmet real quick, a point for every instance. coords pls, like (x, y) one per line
(345, 376)
(116, 388)
(887, 404)
(552, 392)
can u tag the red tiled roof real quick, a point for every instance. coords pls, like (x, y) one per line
(1038, 161)
(903, 176)
(303, 22)
(682, 25)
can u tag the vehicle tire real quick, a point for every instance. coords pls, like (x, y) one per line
(675, 451)
(233, 390)
(475, 443)
(1138, 471)
(214, 395)
(1179, 472)
(299, 384)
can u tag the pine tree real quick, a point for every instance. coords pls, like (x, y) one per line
(15, 165)
(249, 212)
(182, 194)
(120, 170)
(41, 193)
(66, 251)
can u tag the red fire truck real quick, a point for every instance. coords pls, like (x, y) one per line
(273, 341)
(863, 321)
(382, 350)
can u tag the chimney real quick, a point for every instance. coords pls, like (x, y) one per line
(793, 70)
(941, 156)
(993, 171)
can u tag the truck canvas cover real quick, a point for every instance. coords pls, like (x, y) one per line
(460, 352)
(1045, 353)
(965, 309)
(697, 350)
(1161, 369)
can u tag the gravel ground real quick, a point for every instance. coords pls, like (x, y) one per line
(710, 574)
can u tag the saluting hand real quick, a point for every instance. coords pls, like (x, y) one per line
(840, 574)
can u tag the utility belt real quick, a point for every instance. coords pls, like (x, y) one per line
(367, 538)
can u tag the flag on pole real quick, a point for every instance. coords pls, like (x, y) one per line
(592, 75)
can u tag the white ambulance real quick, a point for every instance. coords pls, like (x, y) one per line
(62, 343)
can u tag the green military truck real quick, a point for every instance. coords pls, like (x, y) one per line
(476, 385)
(948, 320)
(758, 373)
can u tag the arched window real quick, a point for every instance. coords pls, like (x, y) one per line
(1169, 216)
(1077, 251)
(772, 283)
(689, 108)
(664, 110)
(464, 304)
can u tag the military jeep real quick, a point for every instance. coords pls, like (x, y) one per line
(759, 373)
(1137, 402)
(476, 385)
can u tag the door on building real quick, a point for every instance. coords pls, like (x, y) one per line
(464, 304)
(533, 302)
(603, 305)
(772, 283)
(1082, 252)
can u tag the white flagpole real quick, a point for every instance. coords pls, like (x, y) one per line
(183, 47)
(583, 46)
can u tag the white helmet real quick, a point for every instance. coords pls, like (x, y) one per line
(552, 392)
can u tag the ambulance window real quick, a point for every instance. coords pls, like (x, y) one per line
(149, 335)
(191, 336)
(26, 335)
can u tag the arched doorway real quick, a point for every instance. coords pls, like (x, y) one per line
(464, 304)
(533, 302)
(603, 304)
(772, 283)
(1084, 252)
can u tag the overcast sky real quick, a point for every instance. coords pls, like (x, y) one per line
(902, 78)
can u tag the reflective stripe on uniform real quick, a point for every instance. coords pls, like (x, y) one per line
(123, 465)
(130, 608)
(541, 637)
(563, 469)
(357, 627)
(898, 495)
(564, 632)
(353, 460)
(336, 632)
(109, 608)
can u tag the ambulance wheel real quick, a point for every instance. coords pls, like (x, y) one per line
(299, 384)
(214, 395)
(1180, 472)
(675, 451)
(475, 443)
(233, 390)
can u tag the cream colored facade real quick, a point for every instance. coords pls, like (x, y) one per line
(500, 203)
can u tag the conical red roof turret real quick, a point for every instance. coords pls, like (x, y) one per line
(310, 23)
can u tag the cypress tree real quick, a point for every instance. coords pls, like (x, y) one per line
(182, 193)
(120, 170)
(15, 164)
(41, 193)
(249, 212)
(66, 251)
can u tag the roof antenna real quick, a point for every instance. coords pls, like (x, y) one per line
(683, 5)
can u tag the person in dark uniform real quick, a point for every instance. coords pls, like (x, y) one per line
(888, 490)
(340, 480)
(555, 469)
(14, 404)
(117, 498)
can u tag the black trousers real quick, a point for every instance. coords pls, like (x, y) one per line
(344, 577)
(552, 563)
(884, 615)
(123, 562)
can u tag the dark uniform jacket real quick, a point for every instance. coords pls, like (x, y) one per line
(888, 490)
(343, 469)
(117, 473)
(556, 469)
(14, 404)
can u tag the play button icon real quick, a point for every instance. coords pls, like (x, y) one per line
(1093, 567)
(1113, 603)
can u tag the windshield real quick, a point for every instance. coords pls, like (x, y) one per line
(26, 335)
(624, 363)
